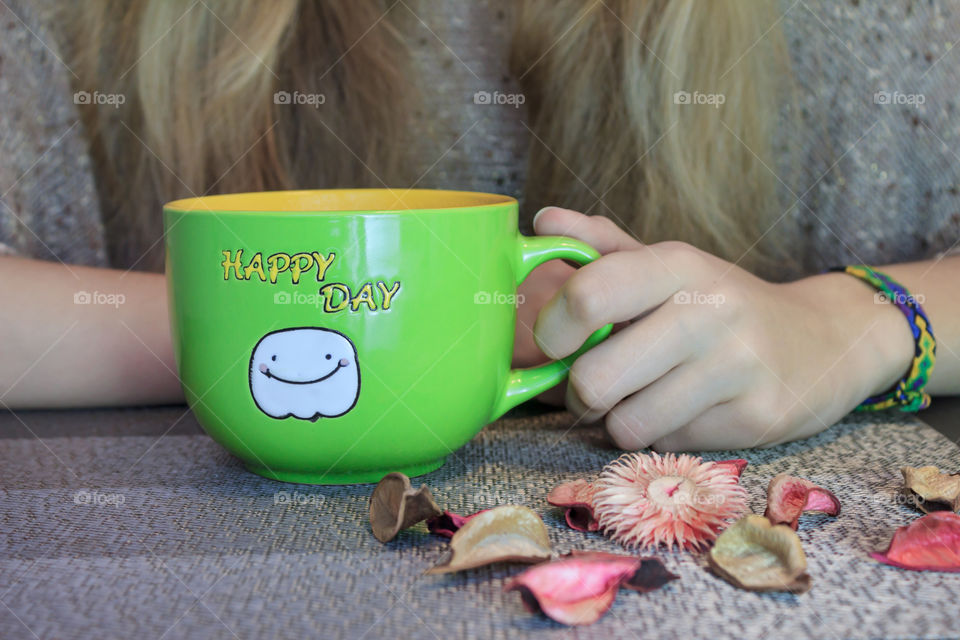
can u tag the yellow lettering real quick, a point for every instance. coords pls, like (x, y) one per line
(274, 269)
(301, 262)
(234, 264)
(364, 296)
(322, 263)
(327, 292)
(387, 293)
(255, 266)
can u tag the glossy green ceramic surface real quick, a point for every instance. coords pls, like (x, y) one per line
(269, 292)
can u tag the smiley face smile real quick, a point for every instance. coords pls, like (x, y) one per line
(265, 370)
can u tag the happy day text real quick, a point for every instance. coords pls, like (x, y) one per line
(338, 296)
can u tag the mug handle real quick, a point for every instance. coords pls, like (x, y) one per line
(524, 384)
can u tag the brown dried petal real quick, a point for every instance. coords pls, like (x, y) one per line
(756, 555)
(930, 543)
(929, 490)
(510, 532)
(396, 505)
(577, 497)
(789, 496)
(581, 586)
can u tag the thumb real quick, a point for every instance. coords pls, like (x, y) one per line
(599, 232)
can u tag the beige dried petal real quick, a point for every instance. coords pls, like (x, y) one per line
(929, 490)
(505, 533)
(396, 505)
(756, 555)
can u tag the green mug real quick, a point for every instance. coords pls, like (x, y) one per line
(334, 336)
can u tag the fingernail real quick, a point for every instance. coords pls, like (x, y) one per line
(537, 215)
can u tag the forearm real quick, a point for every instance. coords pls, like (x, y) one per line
(82, 337)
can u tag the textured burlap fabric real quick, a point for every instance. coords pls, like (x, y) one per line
(111, 531)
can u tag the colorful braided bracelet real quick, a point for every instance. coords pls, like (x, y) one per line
(909, 393)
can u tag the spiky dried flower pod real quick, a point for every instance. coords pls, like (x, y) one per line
(645, 500)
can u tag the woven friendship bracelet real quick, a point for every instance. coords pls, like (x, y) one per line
(908, 393)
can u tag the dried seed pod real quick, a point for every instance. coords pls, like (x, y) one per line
(580, 587)
(577, 497)
(507, 533)
(929, 543)
(756, 555)
(789, 496)
(396, 505)
(929, 490)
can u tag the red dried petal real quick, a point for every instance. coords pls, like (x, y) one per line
(789, 496)
(735, 465)
(580, 587)
(930, 543)
(577, 497)
(448, 523)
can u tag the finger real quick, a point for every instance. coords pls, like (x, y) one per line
(635, 358)
(599, 232)
(578, 408)
(669, 404)
(715, 429)
(618, 287)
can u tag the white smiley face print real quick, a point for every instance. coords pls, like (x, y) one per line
(306, 373)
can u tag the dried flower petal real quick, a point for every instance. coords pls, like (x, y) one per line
(577, 497)
(929, 490)
(756, 555)
(930, 543)
(581, 586)
(646, 500)
(735, 465)
(448, 523)
(510, 532)
(396, 505)
(789, 496)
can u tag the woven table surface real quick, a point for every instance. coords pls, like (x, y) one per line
(132, 523)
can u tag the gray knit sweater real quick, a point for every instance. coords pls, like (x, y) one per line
(876, 140)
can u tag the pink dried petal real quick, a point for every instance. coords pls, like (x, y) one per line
(577, 497)
(735, 465)
(930, 543)
(789, 496)
(580, 587)
(448, 523)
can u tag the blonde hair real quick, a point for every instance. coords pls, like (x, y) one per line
(600, 81)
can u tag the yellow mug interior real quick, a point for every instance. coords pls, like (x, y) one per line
(338, 200)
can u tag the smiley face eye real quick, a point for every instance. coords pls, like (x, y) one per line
(328, 356)
(273, 357)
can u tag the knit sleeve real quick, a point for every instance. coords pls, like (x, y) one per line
(49, 207)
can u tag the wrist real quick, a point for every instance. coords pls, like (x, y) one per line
(874, 344)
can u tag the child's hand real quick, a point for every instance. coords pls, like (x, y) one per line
(714, 358)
